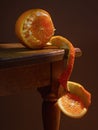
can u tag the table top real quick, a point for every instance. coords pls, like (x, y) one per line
(14, 54)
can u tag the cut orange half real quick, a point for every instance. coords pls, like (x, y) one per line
(75, 102)
(34, 28)
(72, 106)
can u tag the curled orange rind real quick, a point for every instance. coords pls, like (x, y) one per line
(76, 99)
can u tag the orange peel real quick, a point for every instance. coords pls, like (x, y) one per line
(76, 99)
(63, 43)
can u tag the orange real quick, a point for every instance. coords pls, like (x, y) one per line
(34, 28)
(75, 102)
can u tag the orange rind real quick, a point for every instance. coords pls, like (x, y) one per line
(76, 99)
(63, 43)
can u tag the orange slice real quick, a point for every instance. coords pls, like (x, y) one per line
(75, 102)
(34, 28)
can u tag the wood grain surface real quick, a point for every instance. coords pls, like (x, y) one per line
(14, 54)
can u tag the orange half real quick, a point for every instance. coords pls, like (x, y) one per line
(75, 102)
(34, 28)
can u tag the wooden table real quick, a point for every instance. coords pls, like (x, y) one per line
(22, 69)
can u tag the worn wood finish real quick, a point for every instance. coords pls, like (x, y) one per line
(51, 115)
(24, 78)
(15, 54)
(22, 68)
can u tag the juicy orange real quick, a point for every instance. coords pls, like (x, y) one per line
(75, 101)
(34, 28)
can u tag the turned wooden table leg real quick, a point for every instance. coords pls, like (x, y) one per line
(50, 115)
(50, 110)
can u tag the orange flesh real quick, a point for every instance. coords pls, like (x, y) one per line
(40, 28)
(72, 103)
(27, 31)
(35, 28)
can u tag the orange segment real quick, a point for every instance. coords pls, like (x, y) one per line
(34, 28)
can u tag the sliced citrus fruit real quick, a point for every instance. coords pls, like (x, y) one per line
(34, 28)
(63, 43)
(74, 103)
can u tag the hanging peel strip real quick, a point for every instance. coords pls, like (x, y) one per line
(63, 43)
(69, 105)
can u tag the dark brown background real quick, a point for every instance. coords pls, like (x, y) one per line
(77, 20)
